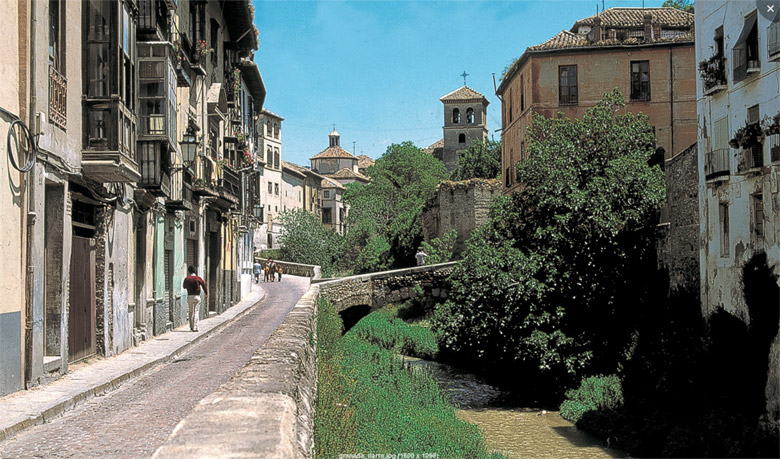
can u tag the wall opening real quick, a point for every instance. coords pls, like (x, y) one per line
(353, 314)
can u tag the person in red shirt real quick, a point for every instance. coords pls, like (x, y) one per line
(193, 283)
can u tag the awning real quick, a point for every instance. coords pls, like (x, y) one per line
(750, 22)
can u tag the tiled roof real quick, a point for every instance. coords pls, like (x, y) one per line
(293, 168)
(432, 147)
(365, 161)
(330, 183)
(634, 17)
(271, 114)
(462, 93)
(333, 152)
(564, 39)
(346, 173)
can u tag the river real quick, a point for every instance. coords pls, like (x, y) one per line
(515, 432)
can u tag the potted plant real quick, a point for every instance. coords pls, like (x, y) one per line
(772, 125)
(248, 159)
(747, 136)
(712, 72)
(202, 49)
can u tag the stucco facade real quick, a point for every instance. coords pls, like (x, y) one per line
(271, 184)
(738, 186)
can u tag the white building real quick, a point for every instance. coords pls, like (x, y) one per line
(739, 205)
(270, 142)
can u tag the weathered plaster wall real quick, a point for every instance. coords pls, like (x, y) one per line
(682, 176)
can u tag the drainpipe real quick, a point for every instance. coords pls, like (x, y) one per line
(28, 313)
(671, 99)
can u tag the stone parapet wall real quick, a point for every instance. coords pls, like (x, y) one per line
(267, 408)
(378, 289)
(296, 269)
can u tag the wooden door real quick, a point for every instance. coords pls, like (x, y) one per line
(81, 315)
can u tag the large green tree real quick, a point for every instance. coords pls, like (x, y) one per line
(479, 160)
(551, 283)
(384, 215)
(305, 240)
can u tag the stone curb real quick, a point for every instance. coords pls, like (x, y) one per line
(59, 407)
(267, 407)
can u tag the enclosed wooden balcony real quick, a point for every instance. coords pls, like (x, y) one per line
(154, 159)
(157, 83)
(109, 155)
(717, 163)
(205, 183)
(230, 185)
(181, 190)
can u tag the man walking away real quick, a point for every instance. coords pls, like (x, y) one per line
(421, 256)
(193, 283)
(258, 268)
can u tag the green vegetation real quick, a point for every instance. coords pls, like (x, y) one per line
(594, 393)
(368, 402)
(384, 217)
(305, 240)
(440, 250)
(479, 160)
(549, 285)
(385, 329)
(685, 5)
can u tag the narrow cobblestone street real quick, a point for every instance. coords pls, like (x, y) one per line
(135, 420)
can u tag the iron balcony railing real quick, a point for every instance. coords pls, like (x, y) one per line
(58, 95)
(717, 163)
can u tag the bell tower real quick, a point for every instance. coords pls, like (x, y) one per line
(465, 120)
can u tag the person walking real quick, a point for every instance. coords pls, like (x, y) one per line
(421, 256)
(193, 283)
(258, 268)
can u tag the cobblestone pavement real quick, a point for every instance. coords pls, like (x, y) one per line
(135, 420)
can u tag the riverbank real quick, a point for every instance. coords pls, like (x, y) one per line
(369, 402)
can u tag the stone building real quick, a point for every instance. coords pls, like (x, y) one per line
(270, 128)
(311, 187)
(738, 100)
(145, 145)
(461, 206)
(647, 53)
(465, 121)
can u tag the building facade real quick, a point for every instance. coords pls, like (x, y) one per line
(271, 185)
(143, 115)
(647, 53)
(738, 101)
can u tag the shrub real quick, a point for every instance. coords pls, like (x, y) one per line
(594, 393)
(440, 250)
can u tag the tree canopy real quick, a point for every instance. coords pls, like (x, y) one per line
(548, 283)
(305, 240)
(479, 160)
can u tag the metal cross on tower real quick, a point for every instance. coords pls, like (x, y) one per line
(464, 75)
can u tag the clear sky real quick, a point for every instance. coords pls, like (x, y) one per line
(376, 69)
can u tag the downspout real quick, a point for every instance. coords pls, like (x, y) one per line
(28, 313)
(671, 100)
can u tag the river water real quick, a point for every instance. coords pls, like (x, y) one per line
(515, 432)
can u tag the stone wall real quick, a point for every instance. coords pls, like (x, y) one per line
(682, 258)
(462, 206)
(295, 269)
(378, 289)
(267, 408)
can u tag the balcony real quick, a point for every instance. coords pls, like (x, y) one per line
(750, 159)
(716, 163)
(206, 183)
(156, 92)
(181, 191)
(773, 41)
(152, 20)
(774, 147)
(109, 153)
(713, 74)
(58, 95)
(183, 57)
(154, 168)
(230, 185)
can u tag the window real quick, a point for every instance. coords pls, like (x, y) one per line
(508, 177)
(270, 155)
(214, 40)
(326, 194)
(511, 166)
(276, 158)
(268, 129)
(270, 191)
(567, 85)
(773, 35)
(326, 215)
(757, 201)
(724, 229)
(57, 35)
(276, 189)
(509, 108)
(745, 52)
(455, 116)
(470, 115)
(461, 138)
(276, 130)
(640, 80)
(522, 94)
(756, 151)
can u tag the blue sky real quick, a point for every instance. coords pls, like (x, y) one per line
(376, 69)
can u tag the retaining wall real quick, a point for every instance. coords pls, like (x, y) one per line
(296, 269)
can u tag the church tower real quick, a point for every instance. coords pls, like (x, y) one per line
(465, 120)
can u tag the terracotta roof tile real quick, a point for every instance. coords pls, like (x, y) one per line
(333, 152)
(634, 17)
(564, 39)
(346, 173)
(462, 93)
(330, 183)
(365, 161)
(271, 114)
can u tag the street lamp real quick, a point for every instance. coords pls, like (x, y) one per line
(189, 147)
(257, 212)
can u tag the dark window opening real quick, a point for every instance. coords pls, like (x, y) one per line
(326, 215)
(214, 40)
(567, 85)
(745, 50)
(461, 138)
(724, 229)
(758, 219)
(522, 94)
(470, 115)
(455, 116)
(640, 80)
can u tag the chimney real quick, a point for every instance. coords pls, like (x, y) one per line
(648, 23)
(595, 33)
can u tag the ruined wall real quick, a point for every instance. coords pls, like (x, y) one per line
(462, 206)
(682, 258)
